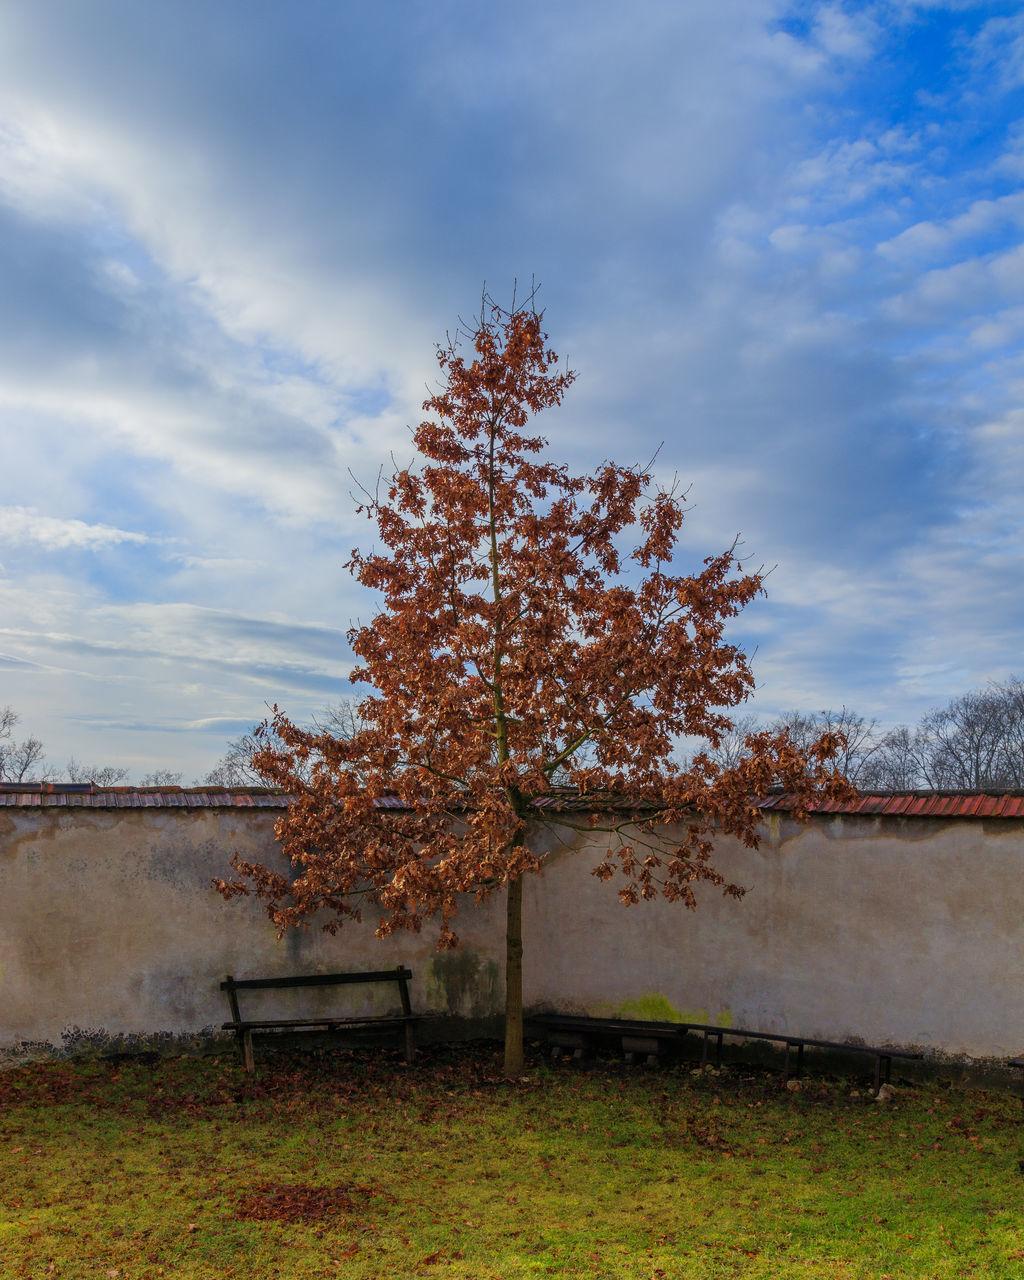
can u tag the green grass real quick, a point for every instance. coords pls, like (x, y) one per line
(355, 1165)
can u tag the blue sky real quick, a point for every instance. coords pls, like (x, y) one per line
(784, 240)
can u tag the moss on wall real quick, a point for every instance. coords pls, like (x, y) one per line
(654, 1007)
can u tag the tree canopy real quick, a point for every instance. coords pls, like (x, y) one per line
(533, 641)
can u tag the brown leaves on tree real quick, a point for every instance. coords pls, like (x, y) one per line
(533, 647)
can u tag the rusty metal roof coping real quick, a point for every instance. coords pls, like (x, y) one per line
(902, 804)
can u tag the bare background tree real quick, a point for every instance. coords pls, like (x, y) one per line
(860, 735)
(235, 767)
(895, 765)
(974, 743)
(732, 746)
(960, 745)
(106, 775)
(25, 761)
(1012, 762)
(19, 761)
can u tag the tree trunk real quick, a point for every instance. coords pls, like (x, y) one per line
(514, 980)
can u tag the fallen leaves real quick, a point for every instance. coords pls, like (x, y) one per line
(341, 1156)
(279, 1202)
(438, 1256)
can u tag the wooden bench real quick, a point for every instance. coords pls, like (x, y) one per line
(577, 1031)
(243, 1028)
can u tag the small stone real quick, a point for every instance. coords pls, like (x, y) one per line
(885, 1094)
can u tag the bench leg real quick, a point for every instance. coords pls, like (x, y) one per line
(410, 1043)
(799, 1061)
(247, 1054)
(785, 1066)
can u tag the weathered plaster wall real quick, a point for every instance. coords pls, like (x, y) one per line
(904, 932)
(899, 931)
(110, 933)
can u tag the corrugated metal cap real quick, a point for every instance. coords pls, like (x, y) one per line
(904, 804)
(914, 804)
(85, 795)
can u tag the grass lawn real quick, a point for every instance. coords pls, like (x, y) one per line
(356, 1165)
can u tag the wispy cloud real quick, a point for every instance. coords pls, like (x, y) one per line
(785, 240)
(22, 524)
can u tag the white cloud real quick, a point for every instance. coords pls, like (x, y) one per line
(969, 286)
(998, 52)
(844, 34)
(24, 525)
(931, 239)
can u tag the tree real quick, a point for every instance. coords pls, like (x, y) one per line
(963, 746)
(859, 737)
(106, 775)
(896, 764)
(1012, 756)
(18, 760)
(23, 761)
(235, 768)
(517, 643)
(973, 743)
(732, 747)
(161, 778)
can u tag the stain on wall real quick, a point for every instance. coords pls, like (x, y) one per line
(464, 984)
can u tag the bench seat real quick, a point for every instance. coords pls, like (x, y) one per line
(244, 1027)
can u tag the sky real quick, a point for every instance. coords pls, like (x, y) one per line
(781, 241)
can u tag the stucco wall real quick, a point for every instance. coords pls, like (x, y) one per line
(898, 931)
(110, 933)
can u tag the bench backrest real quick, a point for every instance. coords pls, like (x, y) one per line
(399, 975)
